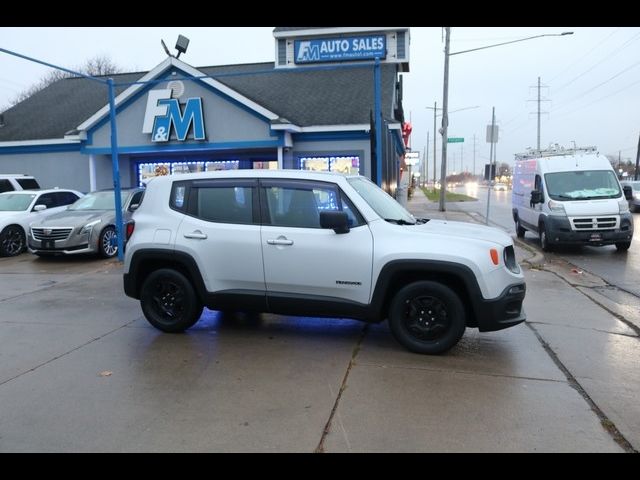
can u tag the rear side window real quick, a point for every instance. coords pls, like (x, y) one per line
(221, 204)
(28, 183)
(5, 186)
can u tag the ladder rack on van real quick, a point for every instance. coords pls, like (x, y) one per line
(553, 152)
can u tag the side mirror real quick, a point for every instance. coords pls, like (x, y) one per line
(338, 221)
(628, 192)
(133, 207)
(536, 197)
(39, 208)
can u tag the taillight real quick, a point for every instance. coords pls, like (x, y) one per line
(129, 229)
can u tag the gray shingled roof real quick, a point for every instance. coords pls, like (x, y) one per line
(305, 97)
(292, 29)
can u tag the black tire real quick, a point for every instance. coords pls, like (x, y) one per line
(520, 231)
(108, 243)
(623, 246)
(544, 239)
(12, 241)
(427, 317)
(169, 301)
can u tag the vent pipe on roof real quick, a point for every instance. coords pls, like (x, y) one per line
(1, 120)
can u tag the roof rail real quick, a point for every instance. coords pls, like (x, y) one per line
(554, 151)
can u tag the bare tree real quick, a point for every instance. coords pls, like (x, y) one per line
(95, 66)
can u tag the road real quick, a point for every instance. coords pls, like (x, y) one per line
(621, 270)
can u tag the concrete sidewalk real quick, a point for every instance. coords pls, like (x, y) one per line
(591, 342)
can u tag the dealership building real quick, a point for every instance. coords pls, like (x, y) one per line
(313, 108)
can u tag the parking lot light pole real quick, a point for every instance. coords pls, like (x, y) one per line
(445, 94)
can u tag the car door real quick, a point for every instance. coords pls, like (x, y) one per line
(302, 259)
(221, 232)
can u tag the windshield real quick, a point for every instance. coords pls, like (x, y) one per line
(99, 201)
(582, 185)
(383, 204)
(15, 202)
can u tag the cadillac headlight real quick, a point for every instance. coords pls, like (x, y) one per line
(89, 226)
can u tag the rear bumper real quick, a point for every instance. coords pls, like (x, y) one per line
(504, 311)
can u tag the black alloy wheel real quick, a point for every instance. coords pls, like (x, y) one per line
(169, 301)
(427, 317)
(12, 241)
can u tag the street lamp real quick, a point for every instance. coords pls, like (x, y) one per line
(445, 100)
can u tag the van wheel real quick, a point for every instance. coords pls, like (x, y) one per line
(520, 231)
(623, 246)
(169, 301)
(427, 317)
(544, 240)
(12, 241)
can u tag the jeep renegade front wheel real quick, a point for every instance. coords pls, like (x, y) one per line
(427, 317)
(169, 301)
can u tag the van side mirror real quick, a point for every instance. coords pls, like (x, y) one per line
(338, 221)
(39, 208)
(628, 192)
(536, 197)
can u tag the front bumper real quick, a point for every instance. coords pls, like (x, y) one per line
(504, 311)
(56, 243)
(559, 231)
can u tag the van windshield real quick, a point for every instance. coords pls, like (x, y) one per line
(582, 185)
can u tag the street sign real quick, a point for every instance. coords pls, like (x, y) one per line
(492, 134)
(411, 158)
(455, 140)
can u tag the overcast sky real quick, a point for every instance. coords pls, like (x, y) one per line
(591, 79)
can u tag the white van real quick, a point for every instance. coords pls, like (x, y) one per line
(17, 181)
(570, 197)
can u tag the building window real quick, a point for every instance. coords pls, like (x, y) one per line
(343, 164)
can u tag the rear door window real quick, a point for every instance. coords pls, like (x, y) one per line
(28, 183)
(5, 186)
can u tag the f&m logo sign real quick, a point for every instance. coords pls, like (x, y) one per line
(163, 114)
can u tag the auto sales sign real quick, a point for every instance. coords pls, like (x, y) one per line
(340, 49)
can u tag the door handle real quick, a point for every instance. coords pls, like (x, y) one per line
(280, 241)
(198, 235)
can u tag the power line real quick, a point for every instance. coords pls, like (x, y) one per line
(601, 42)
(598, 85)
(607, 57)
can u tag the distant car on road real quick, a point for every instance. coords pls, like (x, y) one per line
(87, 226)
(501, 186)
(634, 201)
(18, 209)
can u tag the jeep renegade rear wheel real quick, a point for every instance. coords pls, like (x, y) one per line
(169, 301)
(427, 317)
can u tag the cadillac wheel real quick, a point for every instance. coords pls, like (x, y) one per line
(12, 241)
(427, 317)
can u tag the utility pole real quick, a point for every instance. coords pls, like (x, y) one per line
(435, 137)
(445, 121)
(474, 154)
(619, 154)
(538, 113)
(493, 129)
(635, 174)
(425, 158)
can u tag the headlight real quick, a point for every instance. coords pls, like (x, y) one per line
(557, 207)
(510, 259)
(87, 228)
(623, 205)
